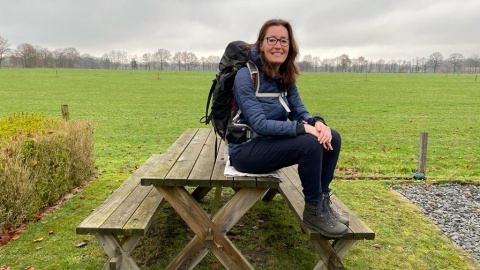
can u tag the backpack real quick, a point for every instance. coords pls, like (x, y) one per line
(221, 91)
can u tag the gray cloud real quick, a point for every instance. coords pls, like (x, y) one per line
(374, 29)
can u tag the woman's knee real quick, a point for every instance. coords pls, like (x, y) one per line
(310, 144)
(336, 139)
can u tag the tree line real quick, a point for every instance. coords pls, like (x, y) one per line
(27, 55)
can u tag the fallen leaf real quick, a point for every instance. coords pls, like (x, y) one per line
(255, 227)
(30, 268)
(376, 246)
(81, 244)
(82, 196)
(34, 162)
(44, 222)
(38, 248)
(50, 232)
(38, 240)
(214, 265)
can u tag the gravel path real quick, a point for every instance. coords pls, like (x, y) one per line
(452, 207)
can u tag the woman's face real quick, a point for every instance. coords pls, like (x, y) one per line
(276, 54)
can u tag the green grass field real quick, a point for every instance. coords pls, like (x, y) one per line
(380, 117)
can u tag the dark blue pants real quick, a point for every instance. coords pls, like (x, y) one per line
(316, 165)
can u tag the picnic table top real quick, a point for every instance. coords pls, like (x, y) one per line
(190, 161)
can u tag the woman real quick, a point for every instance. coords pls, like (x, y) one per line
(304, 140)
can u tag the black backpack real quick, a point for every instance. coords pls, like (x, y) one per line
(221, 92)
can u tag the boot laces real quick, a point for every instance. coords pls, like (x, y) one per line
(327, 202)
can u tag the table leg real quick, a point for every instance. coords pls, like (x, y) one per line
(332, 254)
(215, 229)
(118, 251)
(329, 258)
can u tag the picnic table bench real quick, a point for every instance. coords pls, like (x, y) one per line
(190, 161)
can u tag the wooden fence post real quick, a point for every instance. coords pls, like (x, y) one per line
(65, 113)
(422, 156)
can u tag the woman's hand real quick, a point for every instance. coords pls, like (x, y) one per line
(323, 134)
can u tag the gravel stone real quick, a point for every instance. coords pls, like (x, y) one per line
(454, 208)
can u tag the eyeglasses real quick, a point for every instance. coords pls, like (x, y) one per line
(273, 40)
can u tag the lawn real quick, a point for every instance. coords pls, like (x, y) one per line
(380, 117)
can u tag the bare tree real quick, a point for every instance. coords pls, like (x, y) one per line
(316, 63)
(89, 61)
(147, 60)
(327, 64)
(457, 60)
(162, 56)
(118, 59)
(45, 57)
(344, 62)
(473, 63)
(213, 62)
(204, 62)
(4, 49)
(307, 63)
(363, 63)
(436, 60)
(72, 57)
(476, 59)
(381, 65)
(177, 58)
(27, 54)
(106, 61)
(192, 61)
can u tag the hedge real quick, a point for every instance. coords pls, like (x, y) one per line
(41, 159)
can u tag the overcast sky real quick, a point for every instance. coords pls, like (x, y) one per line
(375, 29)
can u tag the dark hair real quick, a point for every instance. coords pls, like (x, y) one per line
(288, 70)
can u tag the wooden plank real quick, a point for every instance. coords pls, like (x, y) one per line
(291, 190)
(268, 182)
(115, 222)
(218, 176)
(141, 220)
(244, 181)
(169, 158)
(181, 169)
(291, 194)
(359, 229)
(93, 222)
(203, 168)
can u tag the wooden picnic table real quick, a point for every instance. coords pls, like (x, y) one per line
(190, 162)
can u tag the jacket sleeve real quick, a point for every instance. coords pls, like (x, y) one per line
(252, 109)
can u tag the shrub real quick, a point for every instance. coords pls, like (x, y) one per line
(41, 159)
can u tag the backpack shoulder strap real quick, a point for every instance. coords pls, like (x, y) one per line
(254, 74)
(256, 82)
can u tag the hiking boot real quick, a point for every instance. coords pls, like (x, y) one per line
(327, 203)
(320, 219)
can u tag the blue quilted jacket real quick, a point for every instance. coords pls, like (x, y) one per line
(266, 115)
